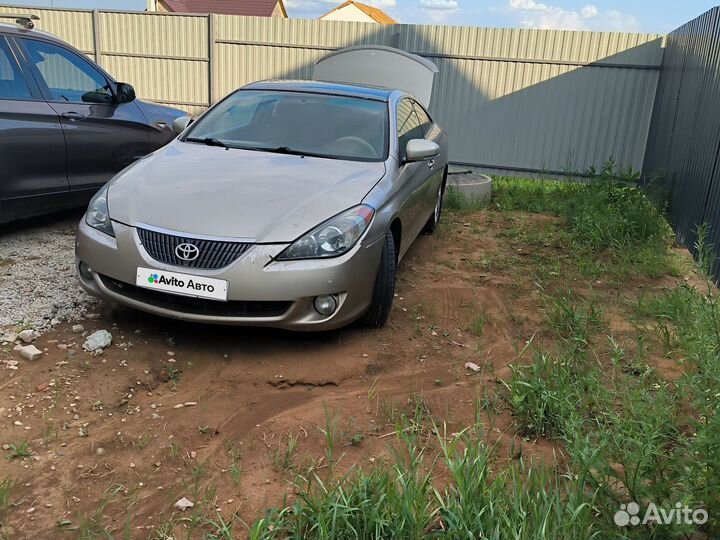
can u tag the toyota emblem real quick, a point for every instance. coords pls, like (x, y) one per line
(187, 252)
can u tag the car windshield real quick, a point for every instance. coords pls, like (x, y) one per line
(326, 126)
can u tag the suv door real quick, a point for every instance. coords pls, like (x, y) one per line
(32, 146)
(102, 137)
(413, 176)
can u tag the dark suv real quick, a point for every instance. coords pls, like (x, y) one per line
(66, 126)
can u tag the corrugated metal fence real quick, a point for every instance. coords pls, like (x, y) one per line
(521, 100)
(684, 144)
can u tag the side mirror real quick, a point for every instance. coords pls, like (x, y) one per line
(125, 93)
(180, 123)
(421, 150)
(97, 97)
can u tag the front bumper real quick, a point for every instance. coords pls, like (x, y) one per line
(261, 292)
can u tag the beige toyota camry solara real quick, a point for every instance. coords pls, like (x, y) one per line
(287, 204)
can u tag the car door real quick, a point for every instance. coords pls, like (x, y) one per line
(431, 132)
(102, 137)
(32, 146)
(413, 175)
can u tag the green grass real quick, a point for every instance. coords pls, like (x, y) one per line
(610, 228)
(455, 201)
(477, 324)
(601, 213)
(6, 487)
(544, 395)
(604, 228)
(650, 440)
(329, 433)
(522, 501)
(175, 450)
(284, 456)
(235, 473)
(573, 321)
(173, 374)
(19, 451)
(94, 525)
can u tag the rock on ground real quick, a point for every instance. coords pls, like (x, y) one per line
(28, 336)
(10, 337)
(183, 504)
(30, 352)
(98, 341)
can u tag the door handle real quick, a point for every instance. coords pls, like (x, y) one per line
(73, 116)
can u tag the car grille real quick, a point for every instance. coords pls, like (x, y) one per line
(196, 306)
(214, 254)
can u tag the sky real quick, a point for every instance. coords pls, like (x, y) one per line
(651, 16)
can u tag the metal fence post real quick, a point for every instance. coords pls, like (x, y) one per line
(211, 59)
(396, 36)
(96, 34)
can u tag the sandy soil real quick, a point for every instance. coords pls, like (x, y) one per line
(115, 422)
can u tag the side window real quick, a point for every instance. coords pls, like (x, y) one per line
(12, 83)
(408, 125)
(67, 75)
(425, 121)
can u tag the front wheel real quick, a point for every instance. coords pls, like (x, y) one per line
(384, 292)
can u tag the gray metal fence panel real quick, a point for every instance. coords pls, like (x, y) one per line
(684, 140)
(511, 99)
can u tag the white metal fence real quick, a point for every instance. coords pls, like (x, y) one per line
(522, 100)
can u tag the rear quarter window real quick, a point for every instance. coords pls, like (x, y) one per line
(426, 122)
(12, 82)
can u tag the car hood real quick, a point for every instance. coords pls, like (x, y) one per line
(204, 190)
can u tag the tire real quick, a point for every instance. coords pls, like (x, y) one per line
(384, 292)
(434, 221)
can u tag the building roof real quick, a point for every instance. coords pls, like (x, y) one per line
(374, 13)
(253, 8)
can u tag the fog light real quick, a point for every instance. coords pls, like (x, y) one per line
(325, 305)
(85, 271)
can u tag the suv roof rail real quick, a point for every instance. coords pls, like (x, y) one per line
(23, 19)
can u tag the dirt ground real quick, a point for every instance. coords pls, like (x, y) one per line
(174, 409)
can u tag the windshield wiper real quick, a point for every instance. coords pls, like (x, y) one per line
(210, 141)
(277, 150)
(290, 152)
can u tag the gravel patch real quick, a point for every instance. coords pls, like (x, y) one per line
(38, 285)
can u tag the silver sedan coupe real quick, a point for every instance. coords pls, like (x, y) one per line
(288, 204)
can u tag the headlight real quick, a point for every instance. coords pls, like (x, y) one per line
(97, 215)
(334, 237)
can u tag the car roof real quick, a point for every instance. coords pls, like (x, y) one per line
(318, 87)
(9, 28)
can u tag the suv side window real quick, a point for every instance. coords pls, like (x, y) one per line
(12, 82)
(408, 125)
(68, 76)
(425, 121)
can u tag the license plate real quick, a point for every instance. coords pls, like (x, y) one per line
(182, 284)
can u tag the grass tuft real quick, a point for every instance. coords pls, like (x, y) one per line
(19, 451)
